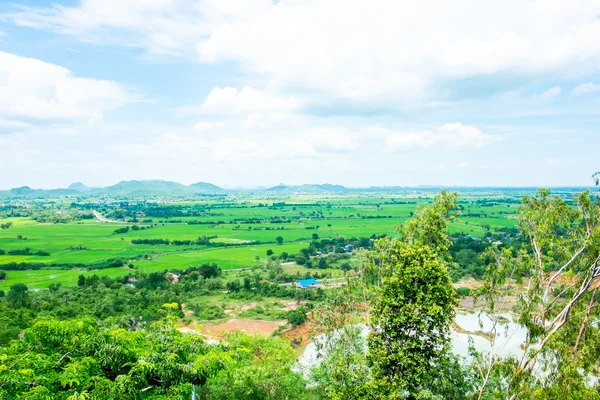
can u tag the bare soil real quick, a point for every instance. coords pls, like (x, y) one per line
(249, 326)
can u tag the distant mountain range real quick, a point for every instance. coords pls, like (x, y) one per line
(161, 188)
(145, 188)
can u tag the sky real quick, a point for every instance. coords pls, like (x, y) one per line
(244, 93)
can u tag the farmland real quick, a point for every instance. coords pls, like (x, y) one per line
(241, 229)
(260, 265)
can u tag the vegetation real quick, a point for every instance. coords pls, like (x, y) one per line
(103, 310)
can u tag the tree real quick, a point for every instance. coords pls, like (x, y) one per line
(247, 283)
(81, 281)
(315, 236)
(2, 275)
(279, 239)
(322, 263)
(342, 371)
(54, 286)
(430, 223)
(412, 307)
(411, 320)
(270, 252)
(297, 317)
(300, 260)
(18, 295)
(562, 245)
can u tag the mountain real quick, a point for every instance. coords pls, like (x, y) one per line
(27, 192)
(205, 188)
(79, 187)
(22, 191)
(146, 188)
(308, 189)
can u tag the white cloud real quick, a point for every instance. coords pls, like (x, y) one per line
(30, 88)
(230, 100)
(455, 135)
(163, 27)
(586, 88)
(207, 125)
(228, 149)
(334, 140)
(397, 53)
(6, 124)
(266, 120)
(550, 93)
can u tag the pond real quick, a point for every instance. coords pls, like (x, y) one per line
(509, 337)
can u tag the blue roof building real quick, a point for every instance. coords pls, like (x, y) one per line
(306, 283)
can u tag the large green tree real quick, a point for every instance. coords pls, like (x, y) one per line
(413, 307)
(557, 275)
(411, 322)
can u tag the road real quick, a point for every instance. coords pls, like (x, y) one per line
(101, 218)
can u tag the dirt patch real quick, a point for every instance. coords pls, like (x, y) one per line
(486, 335)
(468, 303)
(291, 305)
(470, 283)
(249, 326)
(247, 307)
(191, 331)
(300, 335)
(187, 313)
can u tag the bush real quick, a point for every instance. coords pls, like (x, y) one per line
(463, 291)
(297, 317)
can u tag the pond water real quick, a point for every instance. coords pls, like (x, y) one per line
(509, 335)
(509, 338)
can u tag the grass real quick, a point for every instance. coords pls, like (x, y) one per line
(328, 216)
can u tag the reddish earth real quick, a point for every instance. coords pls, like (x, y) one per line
(301, 335)
(291, 305)
(249, 326)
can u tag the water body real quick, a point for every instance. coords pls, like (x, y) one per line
(509, 335)
(509, 338)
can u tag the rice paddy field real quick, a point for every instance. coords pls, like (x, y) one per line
(248, 226)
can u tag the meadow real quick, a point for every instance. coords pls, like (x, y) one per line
(247, 228)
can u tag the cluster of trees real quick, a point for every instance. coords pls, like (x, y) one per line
(406, 286)
(125, 229)
(24, 252)
(201, 241)
(386, 334)
(80, 359)
(6, 225)
(121, 231)
(22, 266)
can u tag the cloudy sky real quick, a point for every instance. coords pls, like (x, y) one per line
(259, 92)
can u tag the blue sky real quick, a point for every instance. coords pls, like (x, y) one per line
(257, 92)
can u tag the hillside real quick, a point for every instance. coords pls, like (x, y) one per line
(80, 187)
(308, 189)
(146, 188)
(205, 188)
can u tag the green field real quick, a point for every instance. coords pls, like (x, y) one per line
(249, 227)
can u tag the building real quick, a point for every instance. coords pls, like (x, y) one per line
(174, 278)
(306, 283)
